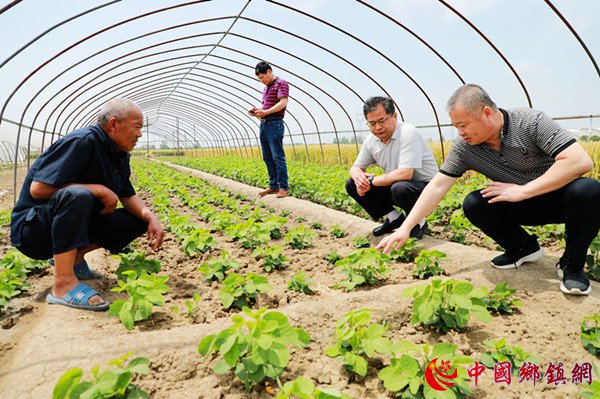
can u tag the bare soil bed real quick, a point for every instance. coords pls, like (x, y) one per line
(39, 342)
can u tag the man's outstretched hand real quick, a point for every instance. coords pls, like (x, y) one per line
(156, 233)
(393, 241)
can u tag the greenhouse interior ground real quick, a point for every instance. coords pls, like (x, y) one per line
(256, 296)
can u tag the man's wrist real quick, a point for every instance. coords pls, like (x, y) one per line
(527, 191)
(370, 179)
(147, 215)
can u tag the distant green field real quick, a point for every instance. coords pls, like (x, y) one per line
(330, 154)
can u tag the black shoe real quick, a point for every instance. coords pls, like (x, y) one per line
(512, 259)
(418, 232)
(575, 283)
(387, 226)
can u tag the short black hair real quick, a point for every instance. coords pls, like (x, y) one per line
(373, 103)
(262, 67)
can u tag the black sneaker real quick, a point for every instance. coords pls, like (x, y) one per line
(387, 226)
(418, 232)
(532, 252)
(575, 283)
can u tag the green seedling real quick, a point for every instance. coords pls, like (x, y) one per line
(115, 382)
(407, 252)
(12, 283)
(145, 291)
(501, 300)
(274, 224)
(405, 376)
(250, 234)
(137, 262)
(300, 237)
(4, 217)
(446, 305)
(220, 221)
(337, 231)
(361, 242)
(133, 246)
(459, 224)
(256, 347)
(198, 241)
(590, 334)
(427, 264)
(272, 257)
(192, 306)
(15, 260)
(241, 291)
(363, 266)
(14, 268)
(179, 224)
(358, 339)
(592, 259)
(332, 257)
(257, 214)
(304, 388)
(502, 353)
(300, 283)
(217, 269)
(593, 390)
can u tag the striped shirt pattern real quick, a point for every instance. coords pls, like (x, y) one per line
(530, 141)
(272, 92)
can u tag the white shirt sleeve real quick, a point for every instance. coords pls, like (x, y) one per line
(365, 158)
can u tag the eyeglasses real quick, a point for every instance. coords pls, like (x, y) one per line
(372, 124)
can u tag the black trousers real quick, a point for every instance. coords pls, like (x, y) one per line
(577, 205)
(380, 200)
(71, 219)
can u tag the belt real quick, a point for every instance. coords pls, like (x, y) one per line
(273, 118)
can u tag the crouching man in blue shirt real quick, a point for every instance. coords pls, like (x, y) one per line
(67, 206)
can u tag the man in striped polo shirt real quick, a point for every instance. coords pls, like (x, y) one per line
(271, 113)
(536, 169)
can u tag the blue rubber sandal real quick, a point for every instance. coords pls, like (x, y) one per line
(82, 271)
(78, 298)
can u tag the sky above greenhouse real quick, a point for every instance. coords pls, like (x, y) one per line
(329, 80)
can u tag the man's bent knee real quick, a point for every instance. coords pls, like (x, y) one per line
(400, 189)
(77, 196)
(583, 191)
(117, 230)
(473, 203)
(350, 187)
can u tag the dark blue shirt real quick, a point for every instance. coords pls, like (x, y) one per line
(85, 156)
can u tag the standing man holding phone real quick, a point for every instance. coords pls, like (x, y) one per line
(271, 113)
